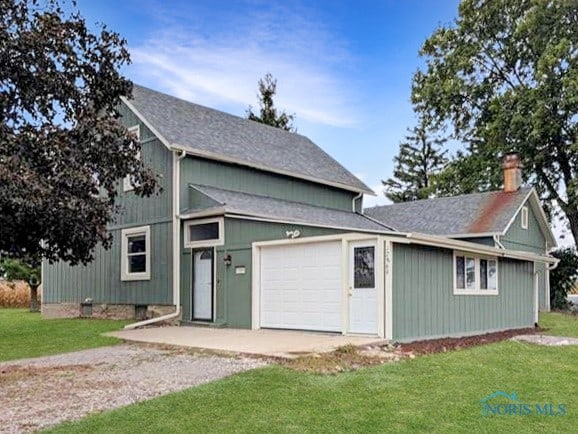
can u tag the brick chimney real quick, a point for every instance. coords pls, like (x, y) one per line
(512, 172)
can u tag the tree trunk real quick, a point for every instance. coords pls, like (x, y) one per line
(573, 220)
(34, 297)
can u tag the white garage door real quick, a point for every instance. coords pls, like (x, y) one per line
(301, 286)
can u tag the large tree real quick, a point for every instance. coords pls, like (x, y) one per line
(62, 148)
(504, 75)
(268, 113)
(419, 160)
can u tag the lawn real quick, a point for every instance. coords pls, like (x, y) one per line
(24, 334)
(436, 393)
(560, 324)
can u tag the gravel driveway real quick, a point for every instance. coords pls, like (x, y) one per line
(40, 392)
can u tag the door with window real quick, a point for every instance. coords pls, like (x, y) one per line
(362, 294)
(203, 284)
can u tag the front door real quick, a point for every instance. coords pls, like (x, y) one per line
(362, 288)
(203, 284)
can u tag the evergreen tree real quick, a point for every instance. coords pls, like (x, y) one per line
(268, 113)
(419, 160)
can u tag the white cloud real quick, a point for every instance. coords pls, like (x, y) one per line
(220, 66)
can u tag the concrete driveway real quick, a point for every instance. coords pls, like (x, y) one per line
(277, 343)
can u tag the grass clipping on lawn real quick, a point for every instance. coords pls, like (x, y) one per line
(16, 294)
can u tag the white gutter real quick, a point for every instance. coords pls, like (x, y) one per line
(355, 200)
(434, 241)
(176, 248)
(497, 242)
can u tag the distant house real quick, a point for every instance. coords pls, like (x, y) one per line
(259, 228)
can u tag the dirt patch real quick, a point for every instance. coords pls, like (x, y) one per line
(449, 344)
(350, 358)
(344, 359)
(10, 374)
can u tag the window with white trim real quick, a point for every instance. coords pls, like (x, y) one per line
(475, 275)
(204, 233)
(524, 217)
(128, 182)
(135, 260)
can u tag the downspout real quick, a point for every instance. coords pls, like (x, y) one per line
(498, 243)
(536, 297)
(176, 248)
(354, 200)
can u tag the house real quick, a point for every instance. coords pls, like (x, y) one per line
(257, 227)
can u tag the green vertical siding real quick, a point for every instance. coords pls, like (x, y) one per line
(248, 180)
(424, 305)
(233, 291)
(100, 280)
(529, 240)
(134, 209)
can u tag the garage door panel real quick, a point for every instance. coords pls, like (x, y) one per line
(301, 286)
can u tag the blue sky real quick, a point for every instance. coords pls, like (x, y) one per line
(344, 68)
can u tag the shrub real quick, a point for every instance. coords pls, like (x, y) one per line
(563, 278)
(15, 294)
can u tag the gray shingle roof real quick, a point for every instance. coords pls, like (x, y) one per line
(262, 206)
(219, 135)
(478, 213)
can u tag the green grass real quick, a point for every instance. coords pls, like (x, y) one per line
(559, 324)
(24, 334)
(436, 393)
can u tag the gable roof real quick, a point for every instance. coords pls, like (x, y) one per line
(469, 215)
(220, 136)
(267, 208)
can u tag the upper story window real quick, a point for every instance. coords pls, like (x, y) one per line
(136, 254)
(128, 182)
(204, 233)
(524, 217)
(475, 275)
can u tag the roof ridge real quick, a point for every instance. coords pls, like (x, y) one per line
(525, 188)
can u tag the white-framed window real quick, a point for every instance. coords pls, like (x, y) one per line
(135, 262)
(524, 217)
(204, 232)
(127, 182)
(475, 275)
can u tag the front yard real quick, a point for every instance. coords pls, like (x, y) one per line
(436, 393)
(24, 334)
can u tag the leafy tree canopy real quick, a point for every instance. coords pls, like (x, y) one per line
(268, 113)
(62, 148)
(419, 160)
(563, 277)
(504, 76)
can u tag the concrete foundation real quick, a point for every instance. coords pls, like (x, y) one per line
(102, 311)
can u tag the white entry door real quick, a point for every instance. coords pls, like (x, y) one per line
(363, 306)
(203, 284)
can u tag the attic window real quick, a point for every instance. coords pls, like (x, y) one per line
(524, 222)
(128, 182)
